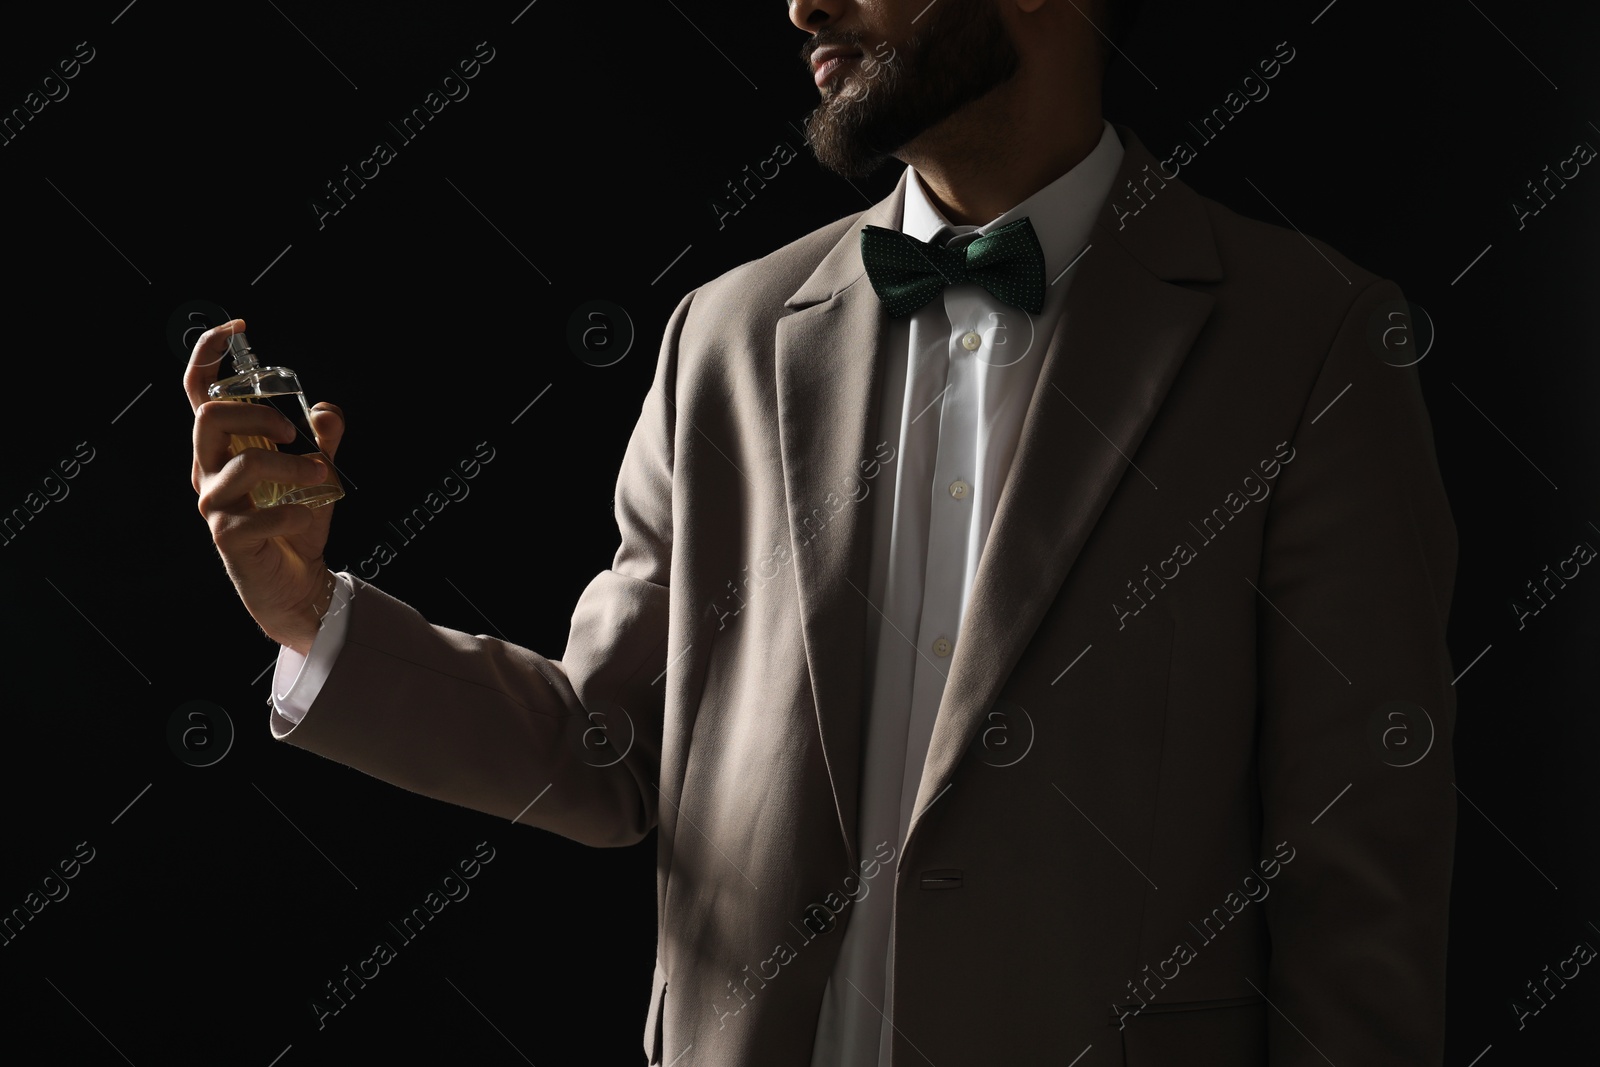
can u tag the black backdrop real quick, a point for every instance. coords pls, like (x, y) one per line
(178, 169)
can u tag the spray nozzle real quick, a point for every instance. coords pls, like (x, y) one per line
(244, 357)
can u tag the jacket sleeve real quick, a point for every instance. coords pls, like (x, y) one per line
(570, 745)
(1356, 715)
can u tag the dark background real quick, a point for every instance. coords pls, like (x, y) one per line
(434, 309)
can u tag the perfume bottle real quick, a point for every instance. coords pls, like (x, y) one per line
(278, 387)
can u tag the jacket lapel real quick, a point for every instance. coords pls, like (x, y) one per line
(829, 368)
(1122, 336)
(1120, 341)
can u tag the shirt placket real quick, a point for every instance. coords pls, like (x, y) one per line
(950, 527)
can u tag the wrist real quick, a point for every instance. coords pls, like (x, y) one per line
(307, 622)
(324, 598)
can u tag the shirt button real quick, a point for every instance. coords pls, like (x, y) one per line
(959, 489)
(941, 647)
(972, 342)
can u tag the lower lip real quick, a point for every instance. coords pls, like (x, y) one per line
(830, 68)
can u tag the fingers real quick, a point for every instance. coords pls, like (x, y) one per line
(237, 533)
(327, 422)
(228, 490)
(216, 421)
(206, 358)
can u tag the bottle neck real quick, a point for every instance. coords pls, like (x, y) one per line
(244, 358)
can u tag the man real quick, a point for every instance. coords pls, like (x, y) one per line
(921, 796)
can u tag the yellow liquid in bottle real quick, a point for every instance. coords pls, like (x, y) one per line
(270, 494)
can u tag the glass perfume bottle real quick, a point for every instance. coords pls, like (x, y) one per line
(279, 388)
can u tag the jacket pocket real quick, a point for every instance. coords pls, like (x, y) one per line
(653, 1021)
(1197, 1033)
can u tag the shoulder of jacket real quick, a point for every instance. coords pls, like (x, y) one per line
(1283, 257)
(759, 287)
(1305, 286)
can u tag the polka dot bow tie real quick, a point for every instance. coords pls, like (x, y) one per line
(907, 273)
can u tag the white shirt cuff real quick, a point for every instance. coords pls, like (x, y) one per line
(298, 679)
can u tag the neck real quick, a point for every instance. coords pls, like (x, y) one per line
(1001, 149)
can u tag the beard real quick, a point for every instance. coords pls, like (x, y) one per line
(958, 55)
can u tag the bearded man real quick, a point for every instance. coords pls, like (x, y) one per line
(1020, 585)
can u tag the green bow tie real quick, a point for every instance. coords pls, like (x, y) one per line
(907, 273)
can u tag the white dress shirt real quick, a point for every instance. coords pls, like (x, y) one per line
(960, 376)
(961, 372)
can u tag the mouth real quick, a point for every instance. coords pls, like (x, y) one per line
(832, 62)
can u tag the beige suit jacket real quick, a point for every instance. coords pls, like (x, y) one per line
(1210, 618)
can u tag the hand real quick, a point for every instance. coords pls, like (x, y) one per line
(273, 555)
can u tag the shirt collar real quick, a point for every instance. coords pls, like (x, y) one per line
(1062, 213)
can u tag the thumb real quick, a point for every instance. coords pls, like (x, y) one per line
(327, 422)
